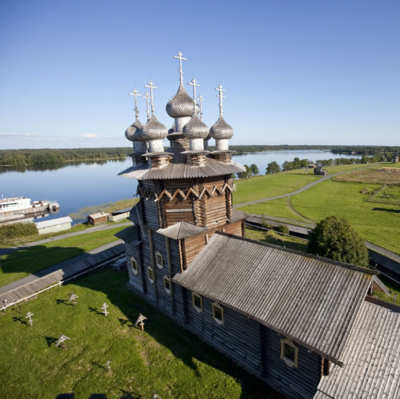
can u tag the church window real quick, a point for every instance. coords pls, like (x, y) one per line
(150, 274)
(289, 353)
(218, 313)
(159, 260)
(134, 265)
(167, 284)
(197, 302)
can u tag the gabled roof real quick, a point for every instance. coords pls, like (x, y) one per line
(312, 300)
(134, 215)
(371, 358)
(182, 230)
(238, 215)
(53, 222)
(128, 235)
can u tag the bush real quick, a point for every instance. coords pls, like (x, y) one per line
(264, 223)
(16, 230)
(336, 239)
(283, 229)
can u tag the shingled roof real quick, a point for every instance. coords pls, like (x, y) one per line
(371, 358)
(182, 230)
(312, 300)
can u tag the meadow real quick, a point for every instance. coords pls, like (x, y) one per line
(163, 359)
(30, 260)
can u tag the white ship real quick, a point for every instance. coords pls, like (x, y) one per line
(17, 208)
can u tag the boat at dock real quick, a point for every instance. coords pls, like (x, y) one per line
(20, 208)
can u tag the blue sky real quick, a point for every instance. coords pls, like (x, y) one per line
(295, 72)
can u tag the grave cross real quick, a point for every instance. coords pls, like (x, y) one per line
(29, 317)
(104, 307)
(221, 96)
(151, 86)
(72, 298)
(5, 304)
(108, 365)
(180, 58)
(146, 96)
(200, 99)
(140, 320)
(61, 339)
(135, 93)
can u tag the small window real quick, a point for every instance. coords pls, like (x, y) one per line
(159, 260)
(218, 313)
(150, 274)
(197, 302)
(134, 265)
(289, 352)
(167, 284)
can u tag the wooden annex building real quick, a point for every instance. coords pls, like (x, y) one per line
(304, 324)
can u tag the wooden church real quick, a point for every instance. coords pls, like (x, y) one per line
(304, 324)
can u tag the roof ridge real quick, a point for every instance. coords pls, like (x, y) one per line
(305, 254)
(383, 304)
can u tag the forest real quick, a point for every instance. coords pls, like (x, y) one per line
(24, 157)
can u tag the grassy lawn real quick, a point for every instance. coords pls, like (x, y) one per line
(273, 237)
(266, 186)
(29, 260)
(343, 168)
(278, 207)
(164, 358)
(377, 223)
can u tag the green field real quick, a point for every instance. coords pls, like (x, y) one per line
(266, 186)
(29, 260)
(164, 359)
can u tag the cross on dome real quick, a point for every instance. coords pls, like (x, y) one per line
(151, 86)
(135, 93)
(221, 96)
(180, 58)
(146, 96)
(200, 99)
(194, 84)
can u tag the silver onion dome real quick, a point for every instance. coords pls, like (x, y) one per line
(221, 130)
(181, 104)
(195, 128)
(133, 133)
(154, 130)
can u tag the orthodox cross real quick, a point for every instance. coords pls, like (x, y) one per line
(61, 339)
(108, 365)
(104, 307)
(200, 99)
(180, 58)
(151, 86)
(194, 84)
(29, 317)
(135, 93)
(221, 96)
(72, 298)
(146, 96)
(140, 320)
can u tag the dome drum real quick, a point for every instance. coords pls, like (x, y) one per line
(222, 145)
(156, 145)
(181, 121)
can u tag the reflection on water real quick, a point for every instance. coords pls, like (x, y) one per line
(55, 166)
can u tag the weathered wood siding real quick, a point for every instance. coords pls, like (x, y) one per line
(150, 207)
(136, 280)
(303, 380)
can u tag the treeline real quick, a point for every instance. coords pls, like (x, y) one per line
(25, 157)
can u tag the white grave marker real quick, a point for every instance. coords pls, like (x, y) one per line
(108, 365)
(29, 317)
(104, 307)
(72, 298)
(140, 320)
(61, 339)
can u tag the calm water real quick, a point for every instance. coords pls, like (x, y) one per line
(76, 186)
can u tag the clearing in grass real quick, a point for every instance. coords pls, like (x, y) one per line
(164, 358)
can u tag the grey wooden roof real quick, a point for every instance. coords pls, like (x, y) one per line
(182, 230)
(182, 171)
(128, 235)
(371, 358)
(238, 215)
(312, 300)
(134, 214)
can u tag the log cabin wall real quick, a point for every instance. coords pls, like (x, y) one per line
(150, 207)
(136, 280)
(306, 376)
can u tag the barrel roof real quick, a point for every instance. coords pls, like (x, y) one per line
(312, 300)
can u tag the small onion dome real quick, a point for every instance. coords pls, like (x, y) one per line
(195, 129)
(221, 130)
(154, 130)
(133, 133)
(181, 104)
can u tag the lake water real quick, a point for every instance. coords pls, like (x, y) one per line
(75, 186)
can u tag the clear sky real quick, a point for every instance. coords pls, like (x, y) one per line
(295, 71)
